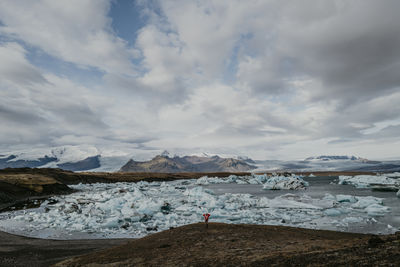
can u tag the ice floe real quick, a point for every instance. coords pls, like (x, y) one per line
(366, 181)
(269, 182)
(137, 209)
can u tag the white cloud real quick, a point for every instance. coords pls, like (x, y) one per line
(265, 78)
(76, 31)
(15, 68)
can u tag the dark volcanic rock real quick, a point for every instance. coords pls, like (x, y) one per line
(16, 188)
(187, 164)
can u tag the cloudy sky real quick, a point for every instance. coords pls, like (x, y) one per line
(266, 79)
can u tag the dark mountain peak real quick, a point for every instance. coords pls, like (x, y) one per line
(246, 159)
(187, 164)
(165, 154)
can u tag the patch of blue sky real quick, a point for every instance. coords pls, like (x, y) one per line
(231, 64)
(87, 76)
(127, 19)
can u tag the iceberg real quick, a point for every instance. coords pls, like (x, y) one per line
(386, 182)
(364, 202)
(346, 198)
(136, 209)
(393, 175)
(274, 182)
(283, 182)
(376, 210)
(333, 212)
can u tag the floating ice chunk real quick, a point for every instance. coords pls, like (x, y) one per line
(346, 198)
(291, 201)
(259, 178)
(283, 182)
(363, 202)
(241, 182)
(311, 175)
(393, 175)
(376, 210)
(77, 227)
(202, 181)
(365, 181)
(332, 212)
(205, 180)
(343, 179)
(329, 197)
(352, 220)
(398, 193)
(268, 182)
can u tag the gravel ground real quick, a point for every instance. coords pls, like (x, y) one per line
(248, 245)
(23, 251)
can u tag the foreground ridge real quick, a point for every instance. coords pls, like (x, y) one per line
(247, 245)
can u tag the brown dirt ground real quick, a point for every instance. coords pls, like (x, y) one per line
(24, 251)
(248, 245)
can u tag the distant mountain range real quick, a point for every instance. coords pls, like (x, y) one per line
(74, 158)
(326, 158)
(329, 163)
(341, 158)
(87, 158)
(81, 165)
(71, 158)
(163, 163)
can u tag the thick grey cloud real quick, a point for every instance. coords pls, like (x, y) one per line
(265, 78)
(351, 47)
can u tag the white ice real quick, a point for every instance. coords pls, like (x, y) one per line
(137, 209)
(269, 182)
(366, 181)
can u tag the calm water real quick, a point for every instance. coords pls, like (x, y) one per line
(319, 186)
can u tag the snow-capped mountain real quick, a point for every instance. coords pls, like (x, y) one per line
(90, 158)
(329, 163)
(73, 158)
(330, 158)
(166, 164)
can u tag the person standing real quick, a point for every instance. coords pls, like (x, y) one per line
(206, 216)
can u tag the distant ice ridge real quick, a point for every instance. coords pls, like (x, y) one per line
(63, 154)
(275, 182)
(366, 181)
(137, 209)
